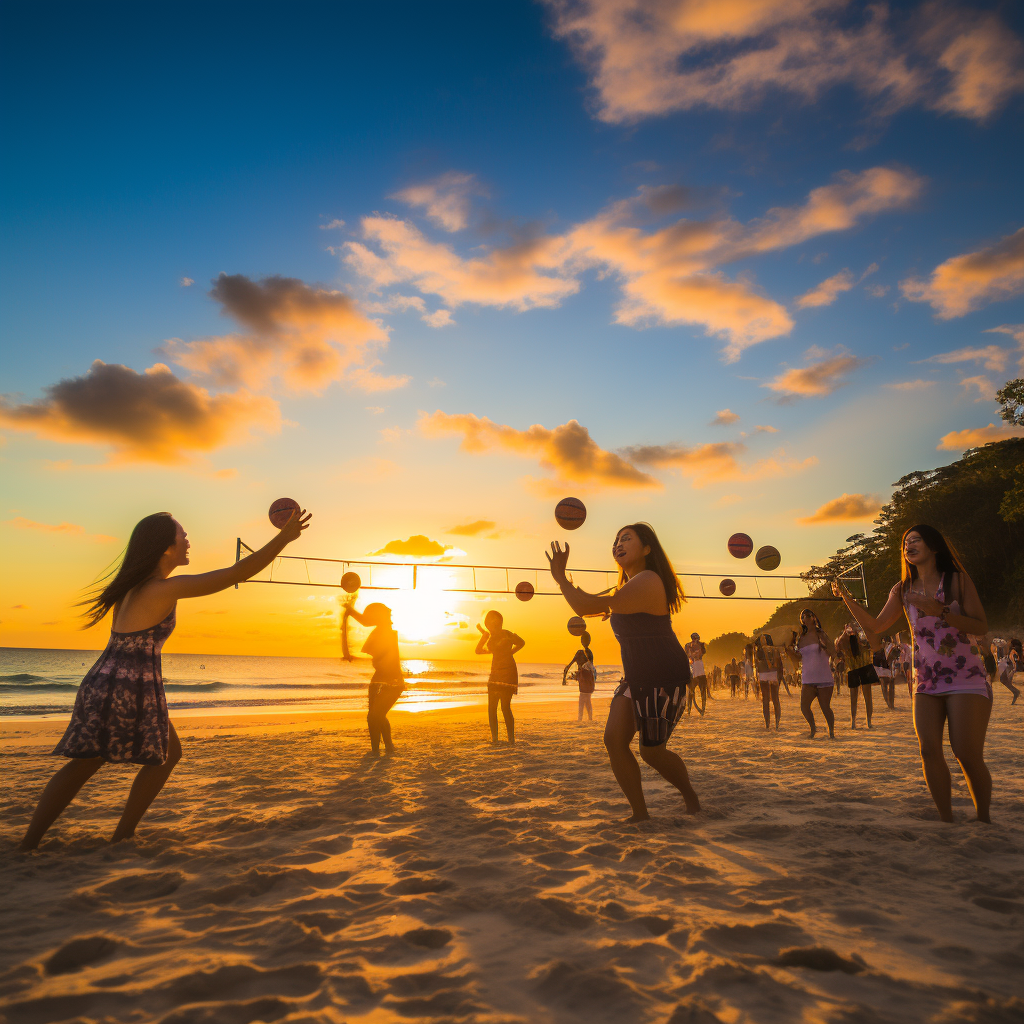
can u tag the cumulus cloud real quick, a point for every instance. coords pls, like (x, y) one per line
(439, 318)
(667, 276)
(846, 507)
(417, 546)
(148, 417)
(817, 379)
(765, 428)
(647, 59)
(568, 451)
(706, 462)
(445, 200)
(307, 335)
(974, 437)
(965, 283)
(67, 529)
(828, 291)
(724, 417)
(186, 282)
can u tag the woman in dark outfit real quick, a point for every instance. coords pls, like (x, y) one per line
(503, 682)
(652, 695)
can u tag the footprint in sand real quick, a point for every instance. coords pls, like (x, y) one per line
(140, 886)
(79, 953)
(428, 938)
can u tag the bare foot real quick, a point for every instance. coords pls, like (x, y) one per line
(634, 818)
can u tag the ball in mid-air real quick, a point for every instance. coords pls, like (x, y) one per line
(767, 558)
(351, 582)
(577, 626)
(740, 545)
(524, 591)
(570, 513)
(727, 587)
(281, 511)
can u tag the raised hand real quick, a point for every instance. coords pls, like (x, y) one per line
(297, 522)
(557, 560)
(482, 630)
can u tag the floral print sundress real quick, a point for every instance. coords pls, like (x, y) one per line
(945, 660)
(121, 712)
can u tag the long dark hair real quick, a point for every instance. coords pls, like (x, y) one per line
(658, 562)
(151, 537)
(947, 561)
(822, 636)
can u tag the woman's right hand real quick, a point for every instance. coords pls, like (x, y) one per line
(558, 560)
(482, 630)
(297, 522)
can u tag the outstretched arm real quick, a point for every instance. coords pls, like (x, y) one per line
(643, 593)
(887, 617)
(481, 644)
(176, 587)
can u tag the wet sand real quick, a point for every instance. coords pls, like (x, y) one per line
(285, 876)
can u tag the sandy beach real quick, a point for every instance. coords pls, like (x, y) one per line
(285, 876)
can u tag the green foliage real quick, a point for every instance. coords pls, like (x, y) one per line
(1011, 397)
(1012, 506)
(724, 648)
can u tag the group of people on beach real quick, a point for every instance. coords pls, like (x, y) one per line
(120, 713)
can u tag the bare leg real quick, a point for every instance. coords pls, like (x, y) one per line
(765, 704)
(929, 723)
(776, 705)
(968, 715)
(146, 788)
(506, 713)
(377, 718)
(807, 695)
(59, 792)
(868, 702)
(669, 765)
(618, 734)
(853, 706)
(1013, 689)
(492, 712)
(825, 703)
(702, 683)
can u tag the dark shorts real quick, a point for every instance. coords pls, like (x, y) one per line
(386, 690)
(656, 713)
(866, 676)
(495, 689)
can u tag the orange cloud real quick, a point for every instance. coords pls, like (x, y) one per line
(975, 437)
(417, 546)
(816, 380)
(985, 388)
(445, 200)
(724, 417)
(845, 508)
(1015, 331)
(649, 59)
(828, 291)
(144, 417)
(993, 356)
(707, 463)
(307, 335)
(68, 529)
(567, 451)
(965, 283)
(473, 529)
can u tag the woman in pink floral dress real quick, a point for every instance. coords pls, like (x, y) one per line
(948, 672)
(120, 714)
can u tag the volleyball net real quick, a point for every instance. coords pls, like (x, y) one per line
(450, 578)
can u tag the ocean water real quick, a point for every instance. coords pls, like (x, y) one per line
(40, 683)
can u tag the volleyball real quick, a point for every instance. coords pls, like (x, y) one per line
(524, 591)
(351, 582)
(281, 511)
(577, 626)
(767, 558)
(570, 513)
(727, 587)
(740, 545)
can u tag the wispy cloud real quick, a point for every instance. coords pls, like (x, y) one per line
(186, 282)
(1015, 331)
(993, 357)
(828, 291)
(709, 463)
(67, 529)
(910, 385)
(845, 508)
(985, 388)
(648, 59)
(472, 529)
(146, 417)
(332, 225)
(445, 200)
(724, 417)
(965, 283)
(974, 437)
(819, 378)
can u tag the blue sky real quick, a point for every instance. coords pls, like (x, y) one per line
(145, 147)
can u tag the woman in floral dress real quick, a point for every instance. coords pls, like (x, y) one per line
(950, 684)
(120, 714)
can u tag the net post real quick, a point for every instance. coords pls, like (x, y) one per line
(238, 552)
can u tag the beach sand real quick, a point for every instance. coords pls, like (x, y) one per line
(285, 876)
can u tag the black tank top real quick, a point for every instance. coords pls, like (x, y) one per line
(652, 656)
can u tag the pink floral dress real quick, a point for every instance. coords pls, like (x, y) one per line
(120, 712)
(945, 661)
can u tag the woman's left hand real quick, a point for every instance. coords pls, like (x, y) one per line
(925, 604)
(558, 560)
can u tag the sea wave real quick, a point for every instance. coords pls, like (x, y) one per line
(45, 686)
(24, 677)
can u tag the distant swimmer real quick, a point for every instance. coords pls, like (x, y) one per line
(652, 695)
(503, 682)
(813, 649)
(858, 654)
(695, 651)
(950, 686)
(586, 676)
(120, 714)
(768, 665)
(388, 682)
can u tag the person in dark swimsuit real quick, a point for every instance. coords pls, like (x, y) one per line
(387, 683)
(586, 676)
(503, 682)
(120, 713)
(652, 695)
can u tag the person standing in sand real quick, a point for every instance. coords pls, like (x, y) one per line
(503, 682)
(652, 694)
(695, 651)
(388, 682)
(732, 671)
(768, 663)
(748, 670)
(942, 605)
(120, 713)
(586, 676)
(812, 649)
